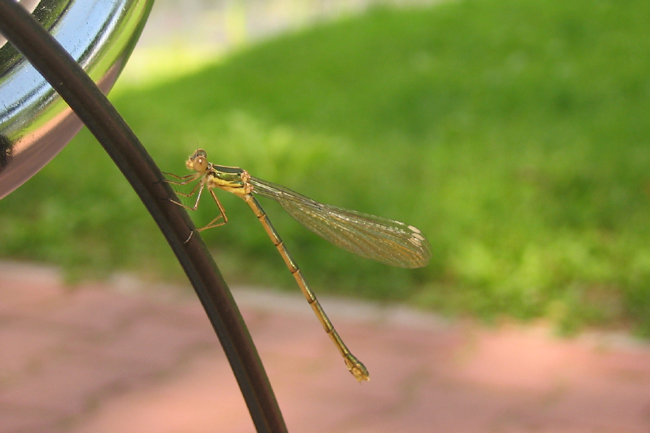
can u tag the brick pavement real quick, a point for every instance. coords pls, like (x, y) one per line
(126, 357)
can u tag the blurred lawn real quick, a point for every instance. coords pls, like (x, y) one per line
(514, 133)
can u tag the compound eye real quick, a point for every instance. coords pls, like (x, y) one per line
(200, 153)
(200, 164)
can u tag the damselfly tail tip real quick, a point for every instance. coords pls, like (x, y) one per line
(356, 367)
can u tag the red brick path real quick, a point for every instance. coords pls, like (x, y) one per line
(100, 359)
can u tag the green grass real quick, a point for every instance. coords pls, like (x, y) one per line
(514, 133)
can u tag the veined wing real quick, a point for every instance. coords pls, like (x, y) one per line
(387, 241)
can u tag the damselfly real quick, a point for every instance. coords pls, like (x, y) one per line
(381, 239)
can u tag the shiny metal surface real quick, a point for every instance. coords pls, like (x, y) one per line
(35, 123)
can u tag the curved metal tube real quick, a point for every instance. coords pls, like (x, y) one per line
(35, 123)
(129, 155)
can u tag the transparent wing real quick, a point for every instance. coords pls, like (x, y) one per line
(387, 241)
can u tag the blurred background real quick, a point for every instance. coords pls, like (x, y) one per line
(514, 133)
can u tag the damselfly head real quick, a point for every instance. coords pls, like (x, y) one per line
(198, 161)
